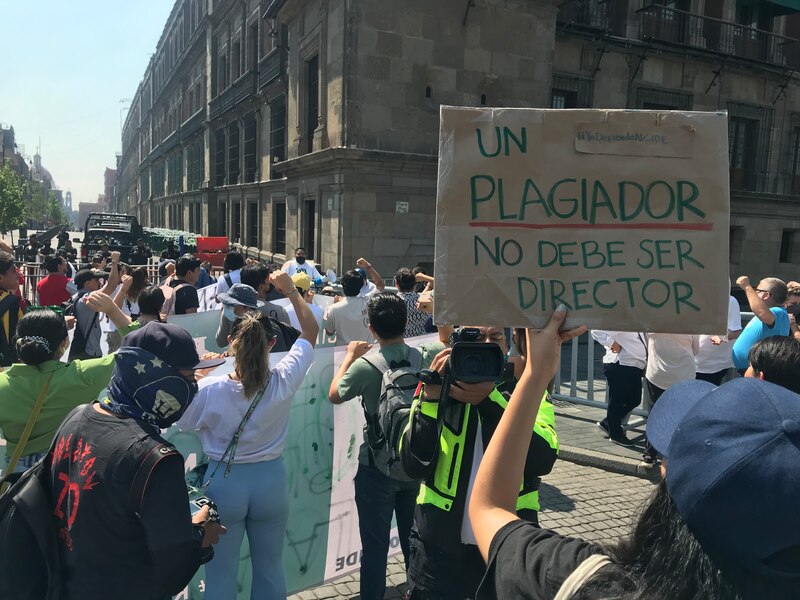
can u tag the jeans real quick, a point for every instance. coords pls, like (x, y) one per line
(377, 497)
(253, 499)
(624, 394)
(25, 462)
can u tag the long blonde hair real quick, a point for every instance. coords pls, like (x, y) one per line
(251, 340)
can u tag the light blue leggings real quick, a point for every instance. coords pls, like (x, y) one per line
(254, 499)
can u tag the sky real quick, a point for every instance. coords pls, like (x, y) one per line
(66, 67)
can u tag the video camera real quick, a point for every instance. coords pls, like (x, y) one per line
(470, 361)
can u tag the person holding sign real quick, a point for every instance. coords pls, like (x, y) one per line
(728, 448)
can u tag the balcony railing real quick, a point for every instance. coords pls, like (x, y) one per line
(587, 14)
(241, 90)
(671, 26)
(272, 66)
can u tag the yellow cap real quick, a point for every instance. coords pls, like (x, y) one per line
(302, 281)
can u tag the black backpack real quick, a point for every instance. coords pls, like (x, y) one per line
(8, 350)
(30, 564)
(285, 335)
(30, 567)
(386, 425)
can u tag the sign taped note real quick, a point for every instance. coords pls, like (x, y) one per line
(623, 216)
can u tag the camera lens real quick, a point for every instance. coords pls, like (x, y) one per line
(474, 362)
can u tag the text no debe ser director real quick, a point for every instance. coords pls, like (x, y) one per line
(493, 198)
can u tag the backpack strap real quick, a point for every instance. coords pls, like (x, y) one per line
(377, 361)
(145, 470)
(229, 280)
(10, 305)
(583, 573)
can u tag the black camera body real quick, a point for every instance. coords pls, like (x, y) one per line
(196, 504)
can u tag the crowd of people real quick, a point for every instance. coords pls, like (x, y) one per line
(457, 464)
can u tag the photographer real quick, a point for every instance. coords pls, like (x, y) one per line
(443, 445)
(120, 501)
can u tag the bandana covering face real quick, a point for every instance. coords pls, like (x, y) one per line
(145, 387)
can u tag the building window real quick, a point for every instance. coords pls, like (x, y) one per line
(569, 91)
(312, 101)
(656, 99)
(219, 158)
(279, 228)
(252, 44)
(222, 73)
(742, 134)
(198, 218)
(250, 148)
(252, 225)
(236, 60)
(237, 222)
(277, 135)
(310, 227)
(158, 179)
(789, 242)
(195, 165)
(233, 153)
(749, 130)
(175, 173)
(736, 243)
(144, 185)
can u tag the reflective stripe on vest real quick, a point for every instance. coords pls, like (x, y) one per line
(545, 425)
(451, 457)
(528, 501)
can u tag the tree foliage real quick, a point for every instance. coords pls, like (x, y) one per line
(12, 199)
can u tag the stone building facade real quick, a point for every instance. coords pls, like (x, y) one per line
(314, 123)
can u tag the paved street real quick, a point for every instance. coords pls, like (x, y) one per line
(576, 500)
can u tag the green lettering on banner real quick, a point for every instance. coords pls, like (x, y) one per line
(493, 256)
(530, 184)
(595, 295)
(564, 252)
(649, 299)
(501, 201)
(551, 200)
(598, 189)
(612, 252)
(545, 245)
(557, 289)
(473, 184)
(648, 207)
(624, 215)
(577, 291)
(530, 284)
(627, 281)
(590, 248)
(683, 291)
(685, 254)
(688, 203)
(503, 142)
(509, 253)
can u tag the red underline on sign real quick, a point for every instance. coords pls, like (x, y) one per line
(640, 226)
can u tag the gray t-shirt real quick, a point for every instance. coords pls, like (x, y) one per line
(89, 326)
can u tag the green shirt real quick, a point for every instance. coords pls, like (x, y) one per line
(73, 384)
(363, 380)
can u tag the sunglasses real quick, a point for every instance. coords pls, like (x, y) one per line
(56, 309)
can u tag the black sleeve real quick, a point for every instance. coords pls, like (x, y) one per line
(420, 446)
(528, 562)
(167, 523)
(187, 299)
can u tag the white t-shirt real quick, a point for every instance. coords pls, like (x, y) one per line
(711, 358)
(670, 358)
(633, 347)
(348, 320)
(467, 533)
(293, 268)
(219, 406)
(368, 289)
(222, 284)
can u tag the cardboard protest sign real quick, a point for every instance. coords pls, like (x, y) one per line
(623, 216)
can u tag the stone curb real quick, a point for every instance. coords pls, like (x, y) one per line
(607, 462)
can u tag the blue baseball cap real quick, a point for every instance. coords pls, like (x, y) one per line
(172, 344)
(733, 453)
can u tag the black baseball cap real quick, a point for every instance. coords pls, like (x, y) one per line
(172, 344)
(86, 275)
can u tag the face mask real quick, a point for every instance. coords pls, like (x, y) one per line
(229, 312)
(300, 259)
